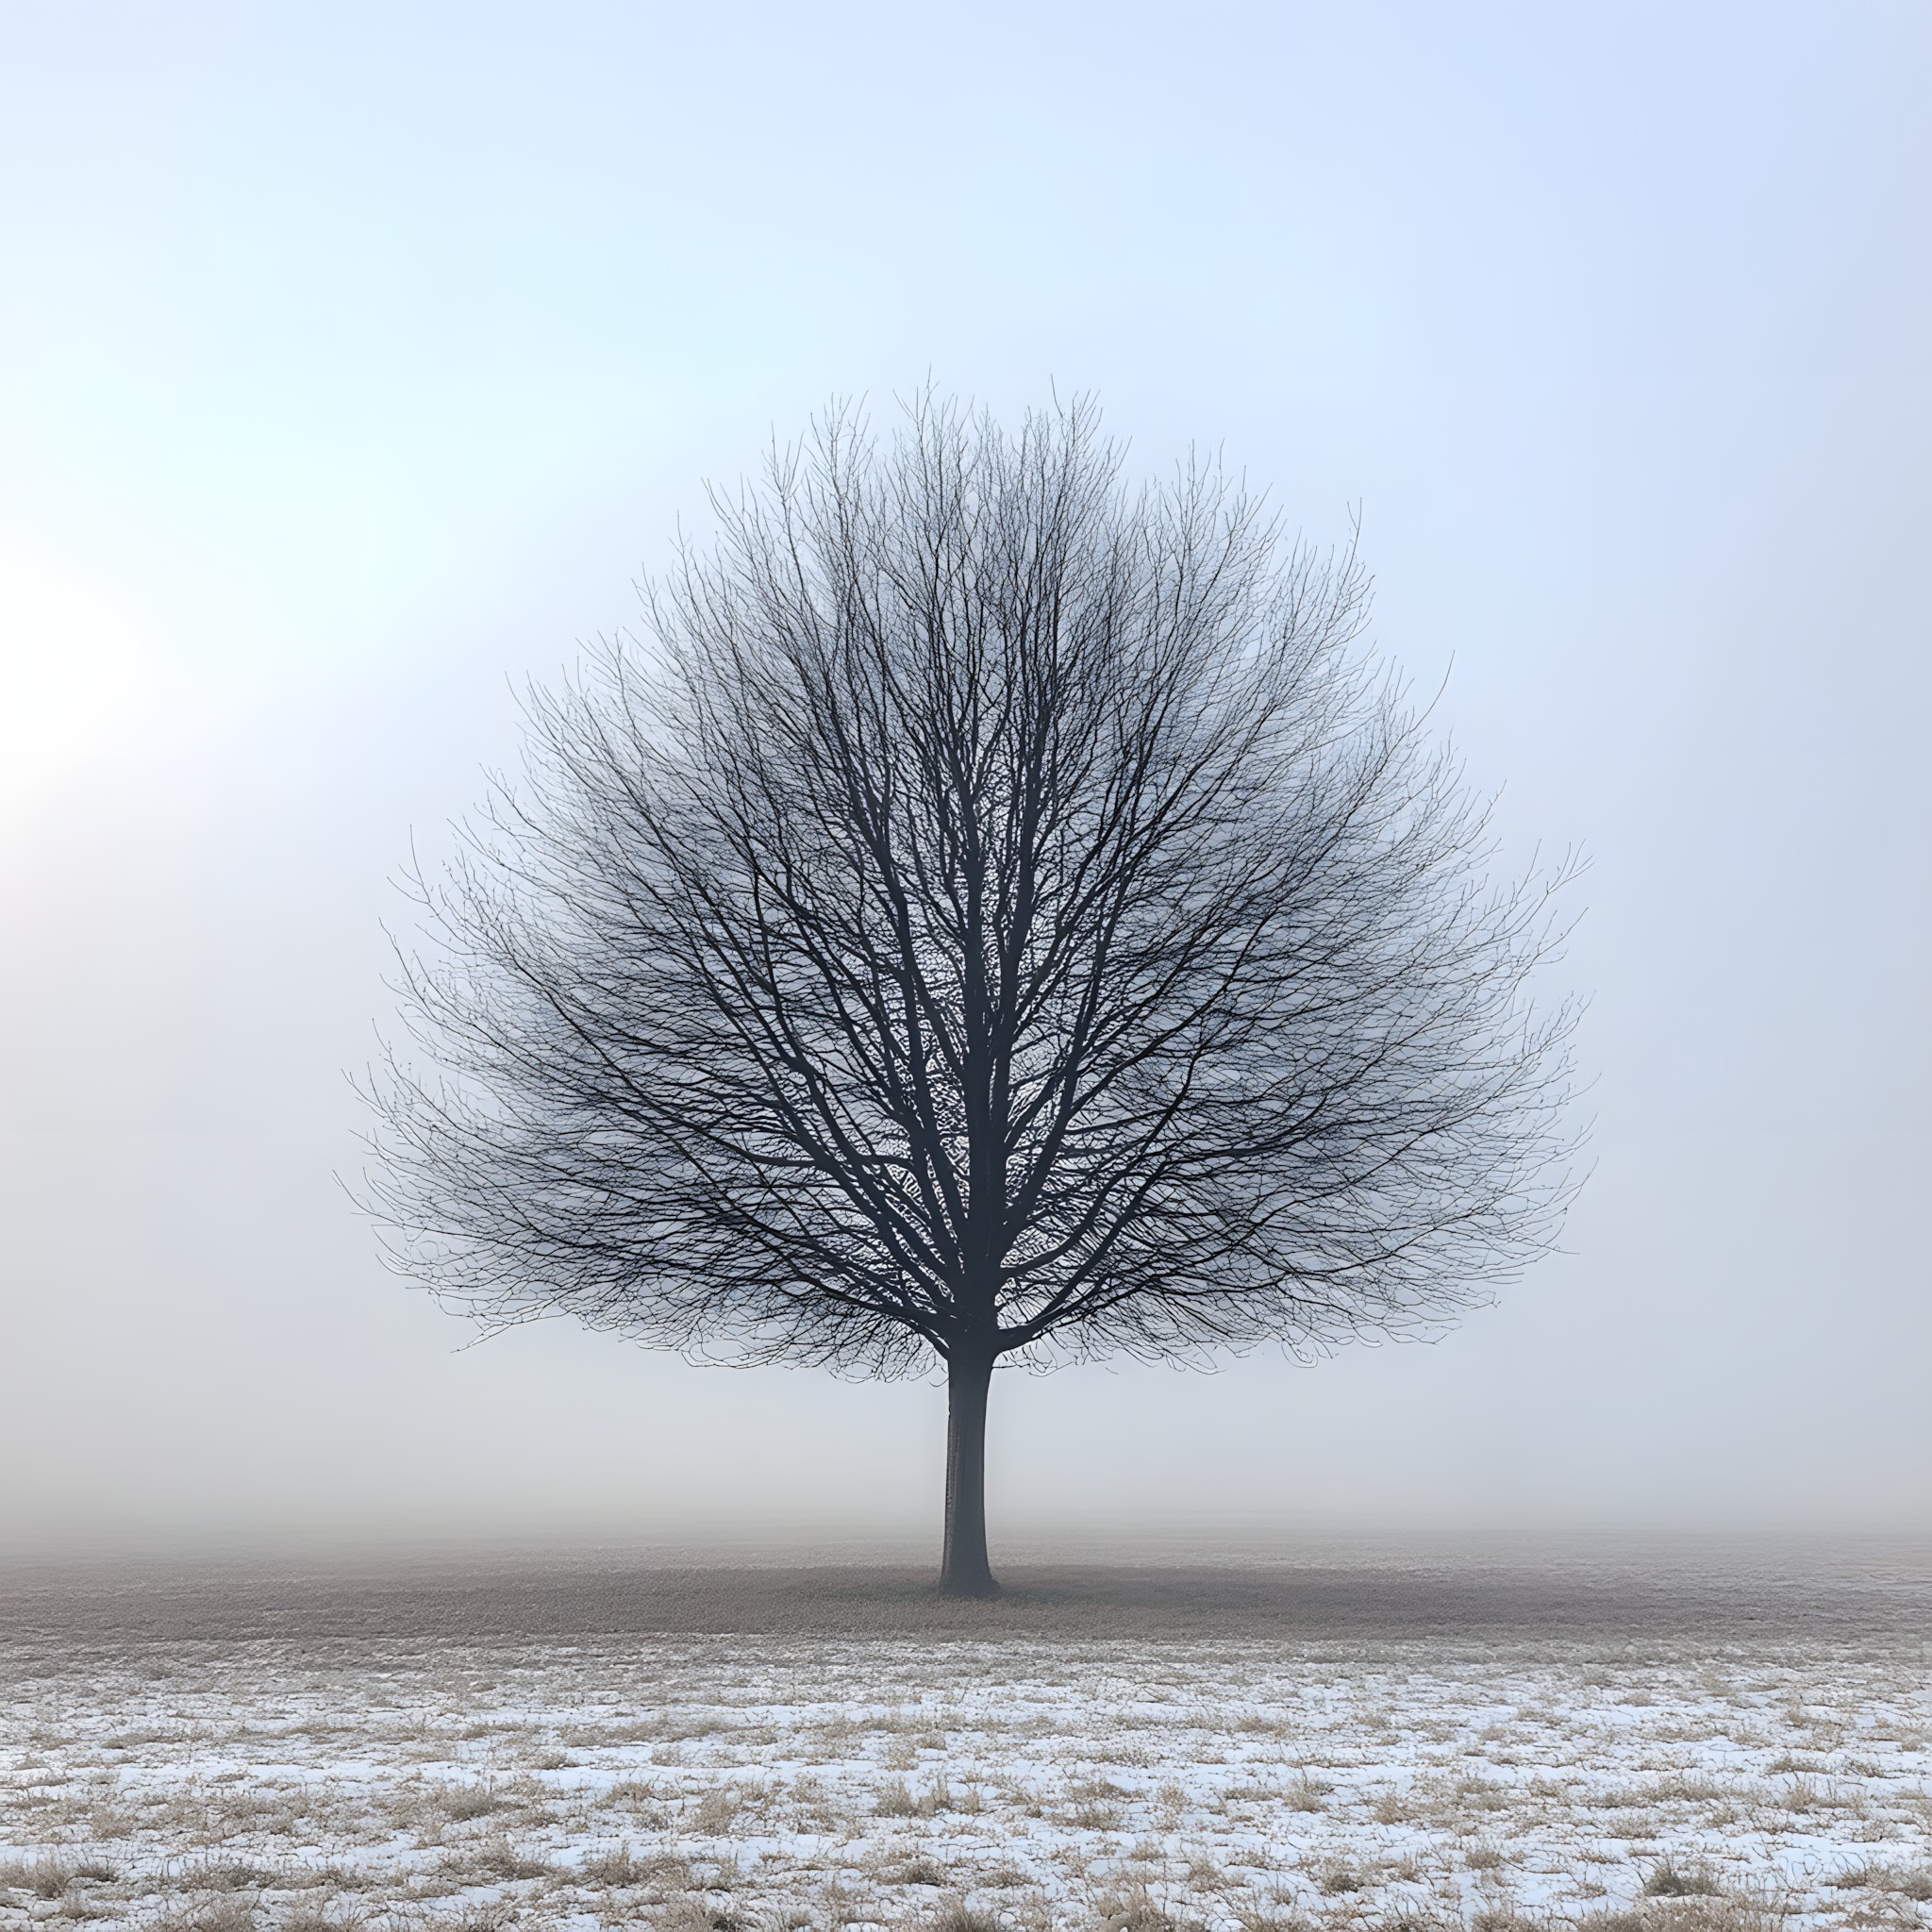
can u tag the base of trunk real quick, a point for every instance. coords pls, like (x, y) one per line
(981, 1591)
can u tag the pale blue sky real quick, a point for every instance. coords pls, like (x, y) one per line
(355, 360)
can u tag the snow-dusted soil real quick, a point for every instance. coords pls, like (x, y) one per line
(961, 1776)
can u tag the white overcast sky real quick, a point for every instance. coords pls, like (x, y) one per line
(354, 360)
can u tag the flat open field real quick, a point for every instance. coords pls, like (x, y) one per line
(1691, 1746)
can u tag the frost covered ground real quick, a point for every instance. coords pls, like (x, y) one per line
(1325, 1750)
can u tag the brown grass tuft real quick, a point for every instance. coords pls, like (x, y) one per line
(1135, 1908)
(43, 1878)
(957, 1916)
(1667, 1879)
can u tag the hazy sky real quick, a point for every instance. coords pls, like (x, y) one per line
(355, 361)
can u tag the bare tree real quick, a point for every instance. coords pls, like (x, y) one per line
(1007, 915)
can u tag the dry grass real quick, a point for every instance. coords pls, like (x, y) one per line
(43, 1877)
(1135, 1910)
(225, 1914)
(1712, 1914)
(1667, 1879)
(956, 1916)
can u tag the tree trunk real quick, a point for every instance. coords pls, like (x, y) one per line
(964, 1570)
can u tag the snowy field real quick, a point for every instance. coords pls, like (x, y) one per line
(1382, 1746)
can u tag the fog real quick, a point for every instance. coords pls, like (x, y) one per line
(354, 362)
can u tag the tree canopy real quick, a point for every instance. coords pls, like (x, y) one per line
(995, 912)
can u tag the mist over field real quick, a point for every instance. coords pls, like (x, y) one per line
(355, 362)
